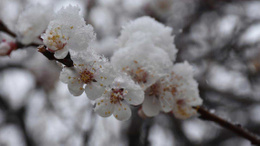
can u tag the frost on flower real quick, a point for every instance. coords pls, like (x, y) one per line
(143, 61)
(187, 93)
(90, 74)
(68, 31)
(32, 22)
(177, 92)
(115, 100)
(159, 34)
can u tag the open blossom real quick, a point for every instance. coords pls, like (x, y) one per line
(115, 100)
(177, 92)
(91, 73)
(68, 31)
(143, 61)
(159, 34)
(158, 97)
(32, 22)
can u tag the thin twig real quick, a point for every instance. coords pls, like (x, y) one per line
(19, 45)
(42, 49)
(236, 128)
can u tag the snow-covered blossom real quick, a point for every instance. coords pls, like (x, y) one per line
(143, 61)
(159, 34)
(90, 69)
(32, 22)
(68, 31)
(115, 100)
(177, 92)
(187, 94)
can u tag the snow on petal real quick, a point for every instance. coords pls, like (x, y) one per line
(187, 93)
(143, 61)
(159, 34)
(68, 31)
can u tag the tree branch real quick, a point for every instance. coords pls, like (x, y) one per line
(66, 61)
(236, 128)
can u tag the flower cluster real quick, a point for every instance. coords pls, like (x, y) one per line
(146, 53)
(111, 90)
(141, 71)
(177, 92)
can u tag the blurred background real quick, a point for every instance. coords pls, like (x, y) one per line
(220, 38)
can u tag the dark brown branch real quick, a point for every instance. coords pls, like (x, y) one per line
(236, 128)
(66, 61)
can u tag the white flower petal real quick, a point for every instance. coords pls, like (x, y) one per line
(103, 107)
(151, 106)
(67, 75)
(134, 97)
(61, 54)
(122, 111)
(166, 104)
(94, 90)
(76, 88)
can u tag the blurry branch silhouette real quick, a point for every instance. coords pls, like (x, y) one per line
(16, 117)
(19, 45)
(236, 128)
(42, 49)
(240, 99)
